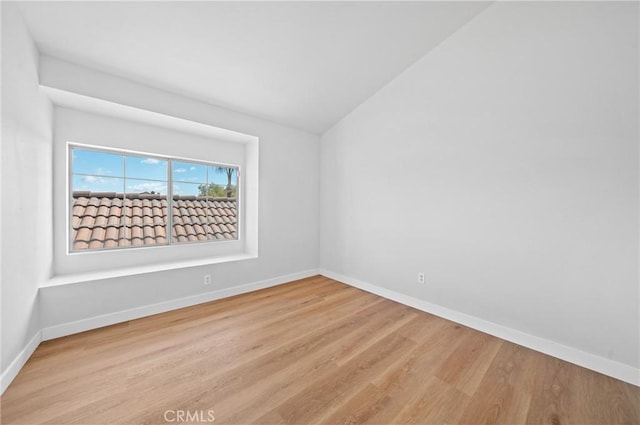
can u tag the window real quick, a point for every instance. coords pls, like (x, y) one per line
(120, 199)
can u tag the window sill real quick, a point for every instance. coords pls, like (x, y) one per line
(69, 279)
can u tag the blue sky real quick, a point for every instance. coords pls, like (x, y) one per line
(105, 172)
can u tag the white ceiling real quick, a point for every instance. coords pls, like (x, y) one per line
(301, 64)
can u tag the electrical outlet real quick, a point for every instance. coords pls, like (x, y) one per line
(207, 279)
(421, 277)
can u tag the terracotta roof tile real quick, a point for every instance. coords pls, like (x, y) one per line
(110, 220)
(97, 237)
(179, 230)
(149, 235)
(82, 238)
(111, 234)
(75, 221)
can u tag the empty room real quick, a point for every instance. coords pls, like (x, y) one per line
(317, 212)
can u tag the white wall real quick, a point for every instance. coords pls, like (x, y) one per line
(504, 164)
(26, 186)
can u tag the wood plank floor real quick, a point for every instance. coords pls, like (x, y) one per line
(310, 351)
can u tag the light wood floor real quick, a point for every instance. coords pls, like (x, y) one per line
(311, 351)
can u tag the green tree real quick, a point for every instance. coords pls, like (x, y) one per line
(216, 191)
(229, 173)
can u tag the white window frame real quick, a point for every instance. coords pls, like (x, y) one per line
(169, 158)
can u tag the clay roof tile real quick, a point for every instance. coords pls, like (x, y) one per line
(98, 219)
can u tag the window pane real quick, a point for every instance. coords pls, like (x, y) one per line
(189, 172)
(97, 184)
(223, 182)
(96, 163)
(139, 186)
(146, 168)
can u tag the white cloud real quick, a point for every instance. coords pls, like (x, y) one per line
(147, 187)
(101, 170)
(192, 168)
(180, 170)
(98, 184)
(94, 179)
(150, 161)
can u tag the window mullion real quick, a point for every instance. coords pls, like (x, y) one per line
(125, 228)
(206, 203)
(169, 202)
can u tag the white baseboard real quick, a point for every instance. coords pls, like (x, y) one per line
(12, 370)
(599, 364)
(70, 328)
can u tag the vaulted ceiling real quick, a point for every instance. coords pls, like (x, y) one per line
(301, 64)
